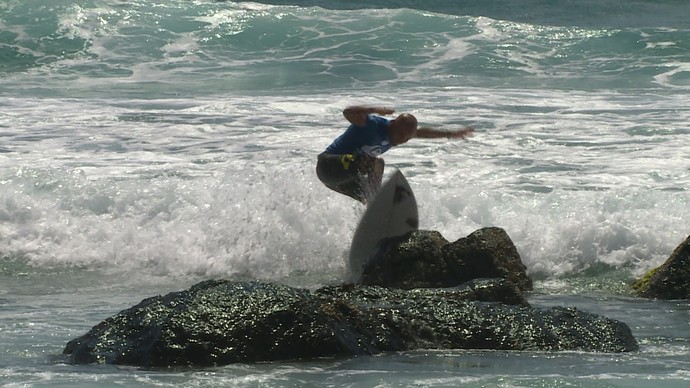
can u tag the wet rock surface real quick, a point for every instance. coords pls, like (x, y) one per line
(671, 280)
(426, 259)
(221, 322)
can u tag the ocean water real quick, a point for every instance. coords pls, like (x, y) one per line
(147, 145)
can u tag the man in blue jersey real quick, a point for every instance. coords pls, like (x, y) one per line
(351, 164)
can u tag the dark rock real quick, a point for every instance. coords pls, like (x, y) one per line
(478, 290)
(410, 261)
(216, 323)
(222, 322)
(425, 259)
(671, 280)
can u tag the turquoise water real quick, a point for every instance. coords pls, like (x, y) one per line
(148, 145)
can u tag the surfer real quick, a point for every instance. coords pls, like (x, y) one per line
(351, 164)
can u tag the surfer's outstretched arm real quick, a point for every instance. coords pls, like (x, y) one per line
(357, 114)
(431, 133)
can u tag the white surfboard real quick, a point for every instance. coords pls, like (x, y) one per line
(391, 213)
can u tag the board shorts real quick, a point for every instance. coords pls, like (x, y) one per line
(343, 173)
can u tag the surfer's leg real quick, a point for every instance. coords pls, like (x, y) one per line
(376, 175)
(370, 174)
(339, 173)
(354, 190)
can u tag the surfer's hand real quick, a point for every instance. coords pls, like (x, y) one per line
(462, 134)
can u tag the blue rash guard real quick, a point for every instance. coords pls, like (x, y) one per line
(371, 139)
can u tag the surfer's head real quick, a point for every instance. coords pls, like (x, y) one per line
(402, 129)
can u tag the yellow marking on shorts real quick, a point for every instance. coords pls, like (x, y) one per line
(346, 160)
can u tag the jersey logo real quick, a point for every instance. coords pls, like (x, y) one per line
(376, 150)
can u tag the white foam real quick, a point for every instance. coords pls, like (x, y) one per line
(667, 78)
(219, 187)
